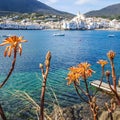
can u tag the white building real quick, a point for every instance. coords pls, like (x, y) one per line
(81, 22)
(76, 23)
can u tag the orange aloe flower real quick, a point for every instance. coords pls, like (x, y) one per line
(102, 62)
(73, 75)
(111, 55)
(82, 70)
(85, 70)
(14, 43)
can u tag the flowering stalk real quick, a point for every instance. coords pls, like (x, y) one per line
(83, 71)
(11, 69)
(92, 100)
(94, 107)
(102, 63)
(44, 75)
(77, 91)
(115, 93)
(87, 90)
(2, 113)
(111, 108)
(102, 76)
(15, 45)
(113, 75)
(111, 56)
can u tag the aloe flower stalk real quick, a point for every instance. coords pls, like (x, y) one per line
(111, 108)
(44, 75)
(2, 113)
(102, 63)
(14, 45)
(83, 71)
(112, 89)
(111, 56)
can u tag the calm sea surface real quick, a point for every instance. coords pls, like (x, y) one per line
(68, 50)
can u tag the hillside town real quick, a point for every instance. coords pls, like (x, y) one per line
(79, 22)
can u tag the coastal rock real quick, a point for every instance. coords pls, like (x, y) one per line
(82, 111)
(105, 115)
(71, 113)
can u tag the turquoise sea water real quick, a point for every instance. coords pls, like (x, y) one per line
(67, 51)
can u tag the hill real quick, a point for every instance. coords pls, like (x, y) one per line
(28, 6)
(112, 10)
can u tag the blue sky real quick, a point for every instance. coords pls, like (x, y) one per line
(73, 6)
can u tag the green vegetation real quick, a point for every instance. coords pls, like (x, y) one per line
(112, 17)
(31, 6)
(112, 12)
(17, 17)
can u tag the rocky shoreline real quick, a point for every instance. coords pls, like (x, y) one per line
(82, 111)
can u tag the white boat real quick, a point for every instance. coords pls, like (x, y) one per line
(6, 35)
(58, 34)
(111, 35)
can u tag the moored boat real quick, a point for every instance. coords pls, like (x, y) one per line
(6, 35)
(58, 34)
(111, 35)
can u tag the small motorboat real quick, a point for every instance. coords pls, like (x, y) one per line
(6, 35)
(58, 34)
(111, 35)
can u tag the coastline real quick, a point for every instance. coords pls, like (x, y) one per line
(107, 29)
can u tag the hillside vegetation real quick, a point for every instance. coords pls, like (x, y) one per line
(112, 11)
(28, 6)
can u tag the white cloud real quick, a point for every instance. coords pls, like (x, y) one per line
(81, 2)
(51, 1)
